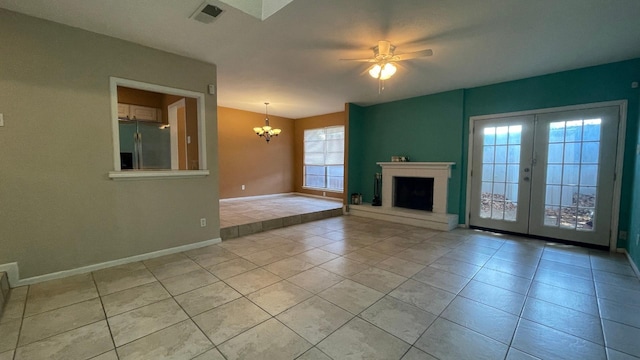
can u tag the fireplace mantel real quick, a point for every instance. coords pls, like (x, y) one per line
(418, 165)
(438, 219)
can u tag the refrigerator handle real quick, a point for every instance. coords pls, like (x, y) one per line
(139, 150)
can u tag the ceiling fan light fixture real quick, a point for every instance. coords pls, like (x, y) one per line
(383, 72)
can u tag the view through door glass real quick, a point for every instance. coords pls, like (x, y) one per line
(501, 158)
(572, 174)
(500, 172)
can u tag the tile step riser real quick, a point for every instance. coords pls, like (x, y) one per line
(235, 231)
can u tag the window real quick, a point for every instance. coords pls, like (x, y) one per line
(324, 158)
(157, 131)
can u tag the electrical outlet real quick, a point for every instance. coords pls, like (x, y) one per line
(324, 193)
(242, 187)
(203, 222)
(623, 235)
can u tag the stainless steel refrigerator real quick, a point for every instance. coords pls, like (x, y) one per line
(144, 145)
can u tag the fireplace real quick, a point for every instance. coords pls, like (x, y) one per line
(440, 172)
(404, 202)
(413, 193)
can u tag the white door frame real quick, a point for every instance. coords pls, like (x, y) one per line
(172, 114)
(617, 185)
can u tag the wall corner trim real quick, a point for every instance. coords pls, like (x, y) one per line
(13, 273)
(86, 269)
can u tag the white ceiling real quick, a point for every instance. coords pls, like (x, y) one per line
(291, 58)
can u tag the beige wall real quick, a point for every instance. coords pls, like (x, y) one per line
(59, 210)
(246, 159)
(313, 122)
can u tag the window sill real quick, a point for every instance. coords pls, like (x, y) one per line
(326, 190)
(156, 174)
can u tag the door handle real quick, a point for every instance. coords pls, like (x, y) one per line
(526, 170)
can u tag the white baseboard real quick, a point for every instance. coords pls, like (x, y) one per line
(318, 197)
(257, 197)
(633, 264)
(14, 282)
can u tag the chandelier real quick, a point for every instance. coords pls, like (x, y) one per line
(266, 131)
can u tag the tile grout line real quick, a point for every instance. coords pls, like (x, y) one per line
(24, 310)
(106, 319)
(515, 330)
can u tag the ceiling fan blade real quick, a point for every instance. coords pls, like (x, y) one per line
(413, 55)
(361, 60)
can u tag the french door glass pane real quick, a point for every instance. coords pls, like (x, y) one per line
(551, 216)
(572, 168)
(500, 172)
(590, 152)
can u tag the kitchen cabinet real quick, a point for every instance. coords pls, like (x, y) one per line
(137, 112)
(123, 111)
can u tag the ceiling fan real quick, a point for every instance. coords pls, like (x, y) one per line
(384, 57)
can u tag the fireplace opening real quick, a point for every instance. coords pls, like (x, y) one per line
(413, 193)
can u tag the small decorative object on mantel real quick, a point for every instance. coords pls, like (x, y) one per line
(377, 188)
(356, 199)
(399, 158)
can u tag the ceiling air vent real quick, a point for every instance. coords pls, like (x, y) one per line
(206, 13)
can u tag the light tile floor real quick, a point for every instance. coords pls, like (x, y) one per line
(340, 288)
(239, 211)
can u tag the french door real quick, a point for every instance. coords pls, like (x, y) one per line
(550, 174)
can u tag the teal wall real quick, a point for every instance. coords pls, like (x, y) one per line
(435, 128)
(426, 128)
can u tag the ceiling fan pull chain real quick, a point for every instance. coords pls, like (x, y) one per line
(380, 86)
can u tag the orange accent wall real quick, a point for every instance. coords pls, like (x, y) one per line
(313, 122)
(139, 97)
(246, 159)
